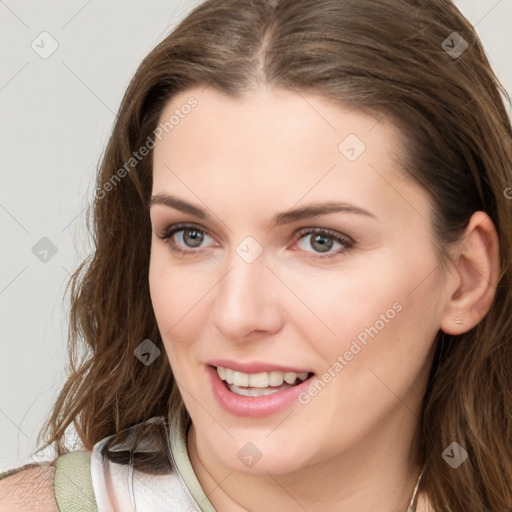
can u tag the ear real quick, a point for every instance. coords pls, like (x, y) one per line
(478, 268)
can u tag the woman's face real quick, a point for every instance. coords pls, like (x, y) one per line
(297, 249)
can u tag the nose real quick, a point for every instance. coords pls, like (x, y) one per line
(246, 304)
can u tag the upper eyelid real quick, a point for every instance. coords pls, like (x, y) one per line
(333, 232)
(179, 226)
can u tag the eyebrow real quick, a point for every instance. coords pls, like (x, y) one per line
(287, 217)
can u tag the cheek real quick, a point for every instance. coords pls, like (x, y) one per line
(380, 350)
(179, 298)
(384, 308)
(332, 308)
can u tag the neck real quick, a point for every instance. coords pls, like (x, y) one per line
(377, 473)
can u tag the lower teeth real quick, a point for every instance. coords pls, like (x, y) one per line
(257, 391)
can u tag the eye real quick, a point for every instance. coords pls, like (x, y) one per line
(186, 238)
(320, 242)
(324, 242)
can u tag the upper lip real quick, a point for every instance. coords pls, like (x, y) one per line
(256, 366)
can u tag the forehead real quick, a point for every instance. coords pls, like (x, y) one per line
(275, 146)
(279, 119)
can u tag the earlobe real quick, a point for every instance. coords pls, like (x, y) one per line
(478, 267)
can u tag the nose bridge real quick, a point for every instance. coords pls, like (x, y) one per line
(245, 299)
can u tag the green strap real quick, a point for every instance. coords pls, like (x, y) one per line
(72, 483)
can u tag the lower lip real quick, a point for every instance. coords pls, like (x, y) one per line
(253, 406)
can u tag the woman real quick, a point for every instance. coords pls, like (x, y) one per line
(300, 295)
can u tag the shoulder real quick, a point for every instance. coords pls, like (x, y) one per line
(28, 489)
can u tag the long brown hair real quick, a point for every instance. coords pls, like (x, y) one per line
(406, 60)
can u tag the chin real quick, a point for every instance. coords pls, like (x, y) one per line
(258, 455)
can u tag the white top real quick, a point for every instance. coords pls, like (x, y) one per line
(148, 471)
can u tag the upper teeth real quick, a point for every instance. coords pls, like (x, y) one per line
(259, 380)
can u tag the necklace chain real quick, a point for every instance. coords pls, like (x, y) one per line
(411, 507)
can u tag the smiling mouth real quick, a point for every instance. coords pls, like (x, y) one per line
(260, 384)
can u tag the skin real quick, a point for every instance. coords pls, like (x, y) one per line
(352, 447)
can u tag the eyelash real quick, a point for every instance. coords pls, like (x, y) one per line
(344, 240)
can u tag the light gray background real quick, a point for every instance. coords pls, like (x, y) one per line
(56, 115)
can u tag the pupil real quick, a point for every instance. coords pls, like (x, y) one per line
(192, 237)
(321, 243)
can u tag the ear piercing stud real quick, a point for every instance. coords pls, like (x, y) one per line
(458, 320)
